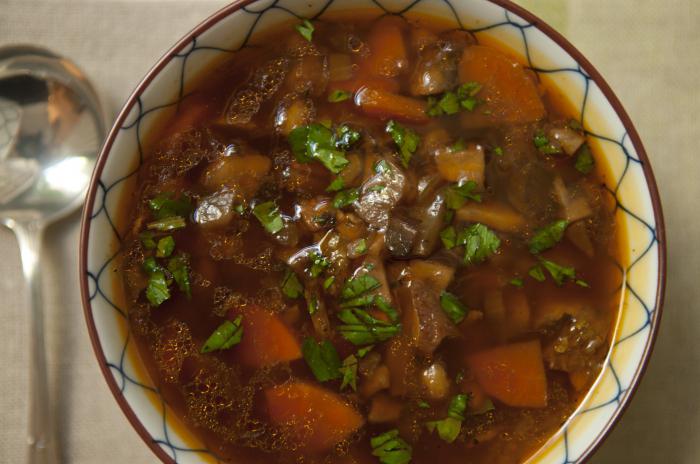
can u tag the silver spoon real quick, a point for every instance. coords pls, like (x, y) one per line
(43, 179)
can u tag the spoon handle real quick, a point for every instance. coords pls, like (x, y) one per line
(40, 438)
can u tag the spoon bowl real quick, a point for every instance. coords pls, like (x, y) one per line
(53, 126)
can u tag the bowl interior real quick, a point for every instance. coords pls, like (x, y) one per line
(630, 182)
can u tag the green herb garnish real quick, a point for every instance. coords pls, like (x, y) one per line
(548, 236)
(451, 102)
(423, 404)
(348, 370)
(479, 243)
(498, 151)
(225, 336)
(459, 145)
(544, 146)
(517, 282)
(306, 29)
(164, 206)
(537, 273)
(147, 240)
(448, 429)
(454, 308)
(358, 247)
(361, 328)
(345, 198)
(559, 273)
(356, 286)
(291, 287)
(269, 216)
(345, 137)
(584, 160)
(157, 288)
(322, 358)
(456, 195)
(406, 140)
(337, 184)
(166, 224)
(319, 263)
(165, 247)
(390, 448)
(318, 142)
(449, 237)
(338, 96)
(328, 282)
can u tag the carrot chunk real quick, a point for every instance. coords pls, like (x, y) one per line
(266, 339)
(513, 374)
(316, 417)
(388, 56)
(497, 215)
(511, 95)
(385, 105)
(356, 83)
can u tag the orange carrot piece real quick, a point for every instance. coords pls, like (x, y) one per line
(385, 105)
(511, 95)
(513, 374)
(496, 215)
(316, 417)
(266, 339)
(388, 56)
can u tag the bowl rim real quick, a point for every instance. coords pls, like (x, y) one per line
(508, 5)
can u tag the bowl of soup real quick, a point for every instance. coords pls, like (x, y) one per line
(373, 232)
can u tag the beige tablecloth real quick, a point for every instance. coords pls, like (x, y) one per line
(648, 50)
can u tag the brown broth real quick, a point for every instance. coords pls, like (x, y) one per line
(240, 265)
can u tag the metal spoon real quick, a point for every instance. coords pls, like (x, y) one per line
(44, 177)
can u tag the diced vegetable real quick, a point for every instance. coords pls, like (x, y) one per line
(388, 56)
(513, 374)
(435, 382)
(242, 174)
(496, 215)
(318, 418)
(383, 409)
(574, 207)
(462, 166)
(340, 67)
(437, 273)
(568, 139)
(267, 339)
(387, 105)
(509, 94)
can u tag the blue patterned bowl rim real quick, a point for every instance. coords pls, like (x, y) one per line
(187, 40)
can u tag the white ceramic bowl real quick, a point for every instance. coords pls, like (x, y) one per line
(540, 47)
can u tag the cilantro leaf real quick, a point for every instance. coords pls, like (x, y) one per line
(269, 216)
(166, 224)
(338, 96)
(584, 160)
(306, 29)
(537, 273)
(318, 142)
(164, 205)
(319, 263)
(361, 328)
(544, 145)
(456, 195)
(356, 286)
(328, 282)
(345, 198)
(390, 448)
(479, 243)
(337, 184)
(291, 287)
(322, 358)
(449, 237)
(165, 247)
(548, 236)
(559, 273)
(348, 372)
(357, 248)
(228, 334)
(406, 140)
(454, 308)
(157, 288)
(147, 240)
(447, 104)
(448, 429)
(517, 282)
(345, 137)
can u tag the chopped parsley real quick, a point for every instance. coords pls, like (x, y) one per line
(345, 198)
(517, 282)
(559, 273)
(423, 404)
(157, 288)
(406, 140)
(357, 248)
(548, 236)
(318, 142)
(328, 282)
(449, 237)
(338, 96)
(165, 247)
(306, 29)
(382, 166)
(448, 429)
(454, 308)
(451, 102)
(312, 304)
(348, 370)
(228, 334)
(291, 287)
(166, 224)
(357, 286)
(319, 263)
(459, 145)
(337, 184)
(269, 216)
(163, 206)
(498, 151)
(390, 448)
(479, 243)
(322, 358)
(543, 144)
(537, 273)
(147, 240)
(584, 160)
(456, 195)
(360, 327)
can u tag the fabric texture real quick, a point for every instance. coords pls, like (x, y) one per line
(646, 50)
